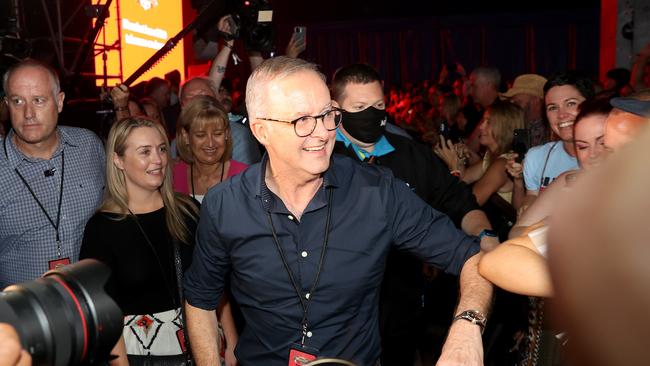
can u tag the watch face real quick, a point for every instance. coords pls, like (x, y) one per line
(476, 315)
(473, 316)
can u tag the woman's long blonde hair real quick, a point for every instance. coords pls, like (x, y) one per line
(116, 198)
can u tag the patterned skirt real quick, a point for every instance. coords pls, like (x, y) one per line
(153, 334)
(158, 334)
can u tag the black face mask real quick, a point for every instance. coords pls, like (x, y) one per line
(366, 126)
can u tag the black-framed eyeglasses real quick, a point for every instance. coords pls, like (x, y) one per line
(305, 125)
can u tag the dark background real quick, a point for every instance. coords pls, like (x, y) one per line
(410, 40)
(407, 40)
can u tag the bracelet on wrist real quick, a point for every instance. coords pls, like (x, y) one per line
(455, 173)
(121, 109)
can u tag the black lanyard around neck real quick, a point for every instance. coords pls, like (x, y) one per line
(548, 155)
(223, 168)
(40, 204)
(303, 303)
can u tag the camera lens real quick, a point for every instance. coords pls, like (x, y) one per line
(64, 318)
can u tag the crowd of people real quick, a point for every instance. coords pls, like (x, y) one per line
(325, 220)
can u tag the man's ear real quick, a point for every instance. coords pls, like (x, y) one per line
(261, 132)
(60, 97)
(117, 160)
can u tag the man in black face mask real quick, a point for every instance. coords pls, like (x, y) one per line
(362, 135)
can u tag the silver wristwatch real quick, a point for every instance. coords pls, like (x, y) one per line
(474, 317)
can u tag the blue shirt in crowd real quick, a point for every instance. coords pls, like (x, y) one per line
(382, 146)
(371, 211)
(27, 239)
(546, 162)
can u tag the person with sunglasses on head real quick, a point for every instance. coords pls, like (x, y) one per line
(563, 93)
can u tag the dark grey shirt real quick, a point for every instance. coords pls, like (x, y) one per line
(371, 211)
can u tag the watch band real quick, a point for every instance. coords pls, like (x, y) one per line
(488, 233)
(474, 317)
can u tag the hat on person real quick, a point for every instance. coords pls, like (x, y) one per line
(632, 105)
(531, 84)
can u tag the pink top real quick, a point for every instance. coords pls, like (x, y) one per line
(181, 170)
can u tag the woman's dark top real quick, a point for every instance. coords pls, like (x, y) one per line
(138, 283)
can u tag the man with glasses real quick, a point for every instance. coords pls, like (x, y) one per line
(302, 237)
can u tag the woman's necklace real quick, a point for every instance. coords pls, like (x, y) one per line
(223, 166)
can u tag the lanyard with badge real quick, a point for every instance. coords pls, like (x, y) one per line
(299, 354)
(58, 261)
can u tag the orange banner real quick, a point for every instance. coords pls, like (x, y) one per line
(134, 31)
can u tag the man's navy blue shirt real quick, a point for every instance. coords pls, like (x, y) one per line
(371, 211)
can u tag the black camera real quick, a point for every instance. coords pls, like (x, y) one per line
(250, 20)
(65, 317)
(256, 18)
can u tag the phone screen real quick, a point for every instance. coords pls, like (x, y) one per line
(520, 143)
(299, 33)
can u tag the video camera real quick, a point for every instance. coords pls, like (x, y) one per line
(251, 20)
(65, 317)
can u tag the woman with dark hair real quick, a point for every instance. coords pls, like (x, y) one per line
(141, 231)
(519, 265)
(563, 93)
(520, 270)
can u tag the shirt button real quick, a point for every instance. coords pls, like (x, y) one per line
(304, 254)
(307, 296)
(290, 217)
(309, 334)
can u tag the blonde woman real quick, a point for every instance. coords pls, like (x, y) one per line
(135, 232)
(489, 175)
(204, 146)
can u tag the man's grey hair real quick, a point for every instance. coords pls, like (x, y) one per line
(273, 69)
(54, 78)
(205, 79)
(489, 74)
